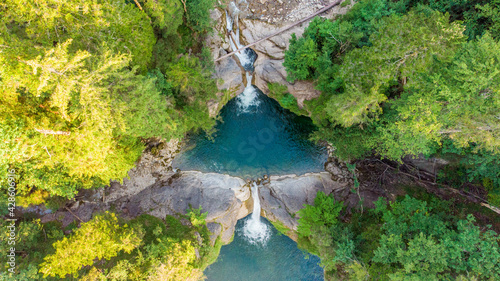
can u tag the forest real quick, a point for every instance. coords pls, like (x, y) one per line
(401, 78)
(85, 85)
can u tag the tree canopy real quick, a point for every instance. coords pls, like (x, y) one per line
(80, 92)
(400, 78)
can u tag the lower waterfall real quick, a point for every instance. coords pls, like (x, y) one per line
(255, 231)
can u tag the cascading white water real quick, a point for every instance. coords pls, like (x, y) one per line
(246, 57)
(247, 100)
(254, 230)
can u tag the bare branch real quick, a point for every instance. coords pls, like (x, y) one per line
(138, 5)
(451, 131)
(184, 3)
(50, 156)
(50, 69)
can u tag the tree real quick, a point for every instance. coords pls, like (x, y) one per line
(75, 105)
(324, 213)
(174, 261)
(491, 11)
(166, 14)
(459, 99)
(421, 244)
(198, 14)
(401, 49)
(119, 26)
(103, 237)
(59, 92)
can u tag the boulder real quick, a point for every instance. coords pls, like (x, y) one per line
(227, 71)
(338, 170)
(215, 230)
(229, 74)
(430, 165)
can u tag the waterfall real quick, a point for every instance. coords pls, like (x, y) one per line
(248, 100)
(246, 57)
(254, 230)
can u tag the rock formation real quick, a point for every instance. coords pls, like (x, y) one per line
(153, 187)
(263, 18)
(284, 196)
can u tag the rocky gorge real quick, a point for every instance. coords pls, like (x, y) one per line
(262, 19)
(155, 188)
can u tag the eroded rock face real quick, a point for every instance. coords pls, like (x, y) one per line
(223, 197)
(284, 196)
(271, 54)
(155, 163)
(265, 17)
(154, 188)
(287, 11)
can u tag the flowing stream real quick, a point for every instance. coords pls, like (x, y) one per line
(254, 137)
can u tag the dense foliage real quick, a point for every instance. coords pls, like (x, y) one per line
(110, 248)
(401, 78)
(409, 239)
(81, 92)
(101, 238)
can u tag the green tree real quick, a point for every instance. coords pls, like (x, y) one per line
(421, 244)
(103, 238)
(75, 105)
(459, 99)
(324, 212)
(198, 14)
(59, 115)
(401, 49)
(120, 26)
(166, 14)
(491, 12)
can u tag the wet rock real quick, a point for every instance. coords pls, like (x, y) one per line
(269, 67)
(229, 72)
(258, 21)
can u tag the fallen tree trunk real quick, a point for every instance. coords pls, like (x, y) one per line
(335, 3)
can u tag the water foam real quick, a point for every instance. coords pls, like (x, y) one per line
(255, 231)
(246, 57)
(248, 99)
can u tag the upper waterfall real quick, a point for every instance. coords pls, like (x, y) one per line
(247, 56)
